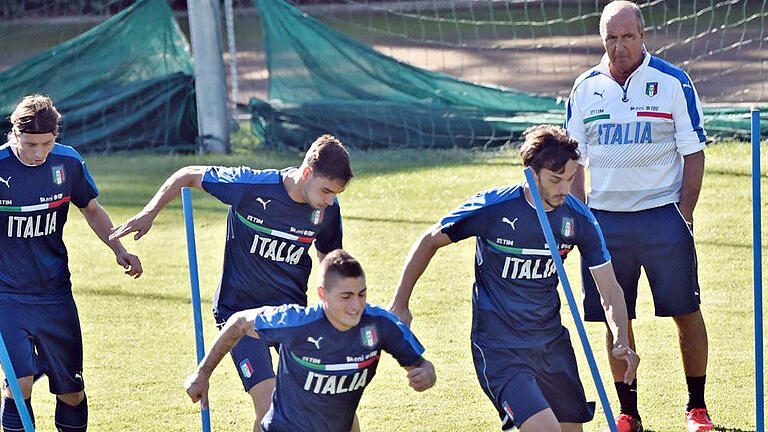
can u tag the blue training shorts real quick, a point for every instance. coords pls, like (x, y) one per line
(44, 339)
(523, 381)
(657, 239)
(251, 357)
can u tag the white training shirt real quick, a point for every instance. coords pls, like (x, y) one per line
(633, 137)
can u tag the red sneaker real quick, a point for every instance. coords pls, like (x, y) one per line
(697, 420)
(627, 423)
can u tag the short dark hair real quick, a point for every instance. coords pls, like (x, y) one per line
(36, 114)
(338, 264)
(549, 147)
(328, 157)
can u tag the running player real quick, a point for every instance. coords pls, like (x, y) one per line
(274, 218)
(522, 353)
(328, 352)
(38, 316)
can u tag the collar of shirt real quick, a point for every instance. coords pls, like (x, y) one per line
(604, 69)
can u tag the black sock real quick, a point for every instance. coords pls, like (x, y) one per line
(10, 418)
(695, 392)
(627, 398)
(71, 418)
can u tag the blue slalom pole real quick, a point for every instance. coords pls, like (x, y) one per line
(18, 397)
(757, 258)
(189, 222)
(552, 244)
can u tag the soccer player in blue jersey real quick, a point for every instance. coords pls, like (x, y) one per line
(328, 352)
(274, 218)
(522, 353)
(38, 316)
(638, 122)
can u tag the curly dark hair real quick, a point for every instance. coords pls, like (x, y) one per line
(549, 147)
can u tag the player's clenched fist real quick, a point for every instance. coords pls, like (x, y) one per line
(197, 388)
(423, 376)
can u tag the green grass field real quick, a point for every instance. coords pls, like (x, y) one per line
(139, 341)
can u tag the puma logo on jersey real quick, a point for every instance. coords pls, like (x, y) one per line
(507, 221)
(686, 85)
(263, 203)
(6, 181)
(315, 341)
(598, 93)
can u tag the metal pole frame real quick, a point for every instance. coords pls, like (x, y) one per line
(757, 257)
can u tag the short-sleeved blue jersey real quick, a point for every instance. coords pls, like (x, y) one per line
(515, 301)
(34, 201)
(266, 256)
(323, 371)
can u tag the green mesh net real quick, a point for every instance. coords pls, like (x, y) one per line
(322, 81)
(125, 84)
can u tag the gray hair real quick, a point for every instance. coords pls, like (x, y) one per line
(613, 8)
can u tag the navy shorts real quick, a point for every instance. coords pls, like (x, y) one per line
(659, 241)
(523, 381)
(252, 359)
(45, 339)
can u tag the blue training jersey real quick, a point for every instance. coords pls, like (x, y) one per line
(34, 201)
(515, 302)
(323, 371)
(266, 256)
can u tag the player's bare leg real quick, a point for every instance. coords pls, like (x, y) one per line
(25, 383)
(542, 421)
(693, 343)
(355, 425)
(694, 349)
(261, 394)
(570, 427)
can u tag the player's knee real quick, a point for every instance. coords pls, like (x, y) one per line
(71, 417)
(25, 383)
(71, 399)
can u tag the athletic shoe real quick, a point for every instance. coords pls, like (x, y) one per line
(627, 423)
(697, 420)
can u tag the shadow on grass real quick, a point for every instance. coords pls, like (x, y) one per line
(726, 429)
(727, 244)
(389, 220)
(112, 292)
(728, 173)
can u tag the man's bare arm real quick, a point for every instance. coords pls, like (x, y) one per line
(191, 176)
(418, 259)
